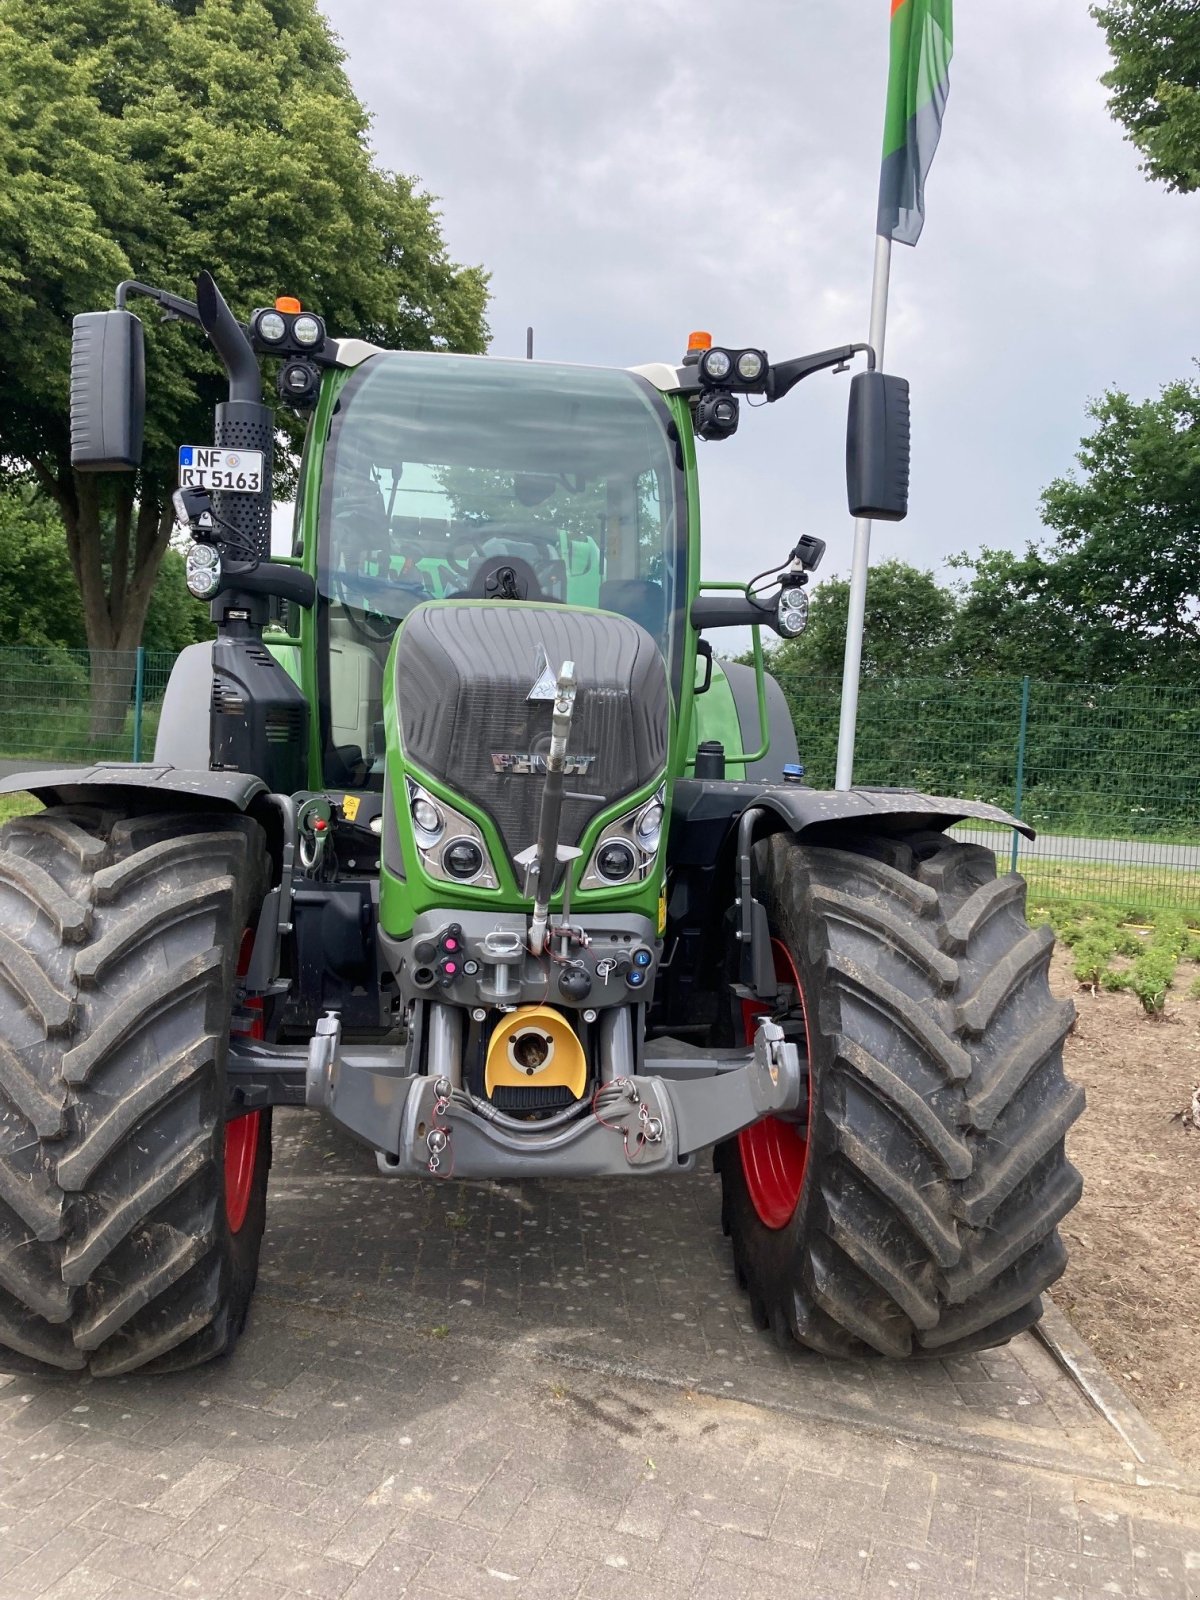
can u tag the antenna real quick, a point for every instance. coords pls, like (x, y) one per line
(529, 344)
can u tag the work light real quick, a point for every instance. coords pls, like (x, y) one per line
(202, 571)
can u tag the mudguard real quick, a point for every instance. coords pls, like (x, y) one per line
(807, 809)
(73, 785)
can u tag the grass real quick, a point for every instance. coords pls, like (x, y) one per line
(60, 733)
(1126, 885)
(17, 805)
(1138, 949)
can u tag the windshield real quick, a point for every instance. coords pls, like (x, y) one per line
(455, 477)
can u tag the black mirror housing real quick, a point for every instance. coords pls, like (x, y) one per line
(878, 447)
(108, 391)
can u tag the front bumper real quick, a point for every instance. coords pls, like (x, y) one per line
(652, 1122)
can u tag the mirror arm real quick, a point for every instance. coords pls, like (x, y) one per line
(785, 375)
(177, 310)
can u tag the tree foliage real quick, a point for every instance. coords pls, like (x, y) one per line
(1155, 83)
(1116, 593)
(39, 598)
(148, 139)
(1112, 595)
(909, 619)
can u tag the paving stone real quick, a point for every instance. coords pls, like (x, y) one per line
(345, 1452)
(57, 1558)
(155, 1567)
(222, 1567)
(304, 1573)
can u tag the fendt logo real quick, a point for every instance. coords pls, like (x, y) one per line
(530, 761)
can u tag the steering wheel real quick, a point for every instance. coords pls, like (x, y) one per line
(469, 548)
(503, 578)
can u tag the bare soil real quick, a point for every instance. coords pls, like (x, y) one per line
(1133, 1284)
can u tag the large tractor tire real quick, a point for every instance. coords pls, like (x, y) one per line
(913, 1209)
(130, 1214)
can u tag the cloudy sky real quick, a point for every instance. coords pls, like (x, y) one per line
(631, 169)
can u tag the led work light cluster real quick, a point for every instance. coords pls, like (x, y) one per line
(451, 847)
(723, 374)
(743, 371)
(626, 850)
(286, 331)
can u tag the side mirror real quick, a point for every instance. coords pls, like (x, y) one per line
(877, 447)
(108, 391)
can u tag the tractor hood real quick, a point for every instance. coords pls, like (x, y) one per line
(474, 689)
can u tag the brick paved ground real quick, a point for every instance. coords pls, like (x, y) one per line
(554, 1392)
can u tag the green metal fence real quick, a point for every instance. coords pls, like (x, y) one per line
(63, 705)
(1109, 775)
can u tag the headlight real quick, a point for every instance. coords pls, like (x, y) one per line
(792, 614)
(715, 365)
(616, 860)
(202, 571)
(450, 846)
(463, 859)
(306, 330)
(649, 825)
(627, 848)
(427, 818)
(271, 327)
(750, 366)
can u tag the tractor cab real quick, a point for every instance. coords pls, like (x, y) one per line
(452, 478)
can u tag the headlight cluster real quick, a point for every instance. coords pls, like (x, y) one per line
(733, 369)
(792, 612)
(451, 847)
(626, 850)
(202, 571)
(284, 327)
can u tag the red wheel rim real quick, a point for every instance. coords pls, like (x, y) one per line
(774, 1152)
(241, 1158)
(241, 1133)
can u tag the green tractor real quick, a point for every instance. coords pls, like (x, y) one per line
(461, 834)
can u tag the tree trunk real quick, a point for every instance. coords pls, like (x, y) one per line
(117, 532)
(112, 677)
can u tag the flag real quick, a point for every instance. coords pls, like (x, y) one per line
(918, 84)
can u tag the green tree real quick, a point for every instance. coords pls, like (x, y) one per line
(173, 617)
(39, 598)
(1117, 593)
(909, 618)
(147, 139)
(1155, 83)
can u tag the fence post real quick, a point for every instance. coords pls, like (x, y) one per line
(1020, 789)
(139, 696)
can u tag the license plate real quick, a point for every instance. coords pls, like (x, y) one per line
(234, 471)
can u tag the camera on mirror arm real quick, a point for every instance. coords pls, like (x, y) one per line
(717, 414)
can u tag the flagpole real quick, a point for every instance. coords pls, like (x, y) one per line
(856, 616)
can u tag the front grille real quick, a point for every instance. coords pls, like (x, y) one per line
(515, 1099)
(226, 702)
(463, 676)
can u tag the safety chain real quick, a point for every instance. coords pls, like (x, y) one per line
(438, 1137)
(650, 1127)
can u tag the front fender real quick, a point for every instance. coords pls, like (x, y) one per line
(105, 779)
(806, 811)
